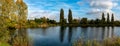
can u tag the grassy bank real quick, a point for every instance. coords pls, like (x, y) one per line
(105, 42)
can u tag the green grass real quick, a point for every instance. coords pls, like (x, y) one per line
(105, 42)
(4, 44)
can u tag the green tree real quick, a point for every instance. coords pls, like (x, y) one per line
(103, 18)
(108, 21)
(52, 21)
(91, 22)
(112, 18)
(44, 20)
(64, 21)
(75, 21)
(61, 16)
(22, 12)
(84, 22)
(39, 21)
(70, 16)
(97, 21)
(8, 10)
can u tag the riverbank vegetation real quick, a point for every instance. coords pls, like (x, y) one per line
(41, 22)
(106, 42)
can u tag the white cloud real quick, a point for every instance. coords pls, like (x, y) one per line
(102, 4)
(94, 11)
(43, 13)
(39, 11)
(36, 11)
(99, 6)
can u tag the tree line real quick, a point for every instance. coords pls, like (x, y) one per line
(38, 22)
(85, 22)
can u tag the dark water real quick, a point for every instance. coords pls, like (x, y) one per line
(65, 36)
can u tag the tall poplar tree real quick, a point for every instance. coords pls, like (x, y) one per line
(61, 16)
(70, 16)
(112, 19)
(103, 18)
(108, 21)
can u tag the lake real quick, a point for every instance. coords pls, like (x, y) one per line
(65, 36)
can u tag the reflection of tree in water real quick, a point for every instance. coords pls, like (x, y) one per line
(84, 32)
(108, 33)
(44, 31)
(103, 32)
(19, 38)
(62, 32)
(69, 34)
(112, 31)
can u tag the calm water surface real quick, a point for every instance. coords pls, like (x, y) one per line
(65, 36)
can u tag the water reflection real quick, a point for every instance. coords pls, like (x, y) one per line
(44, 31)
(97, 33)
(84, 34)
(109, 32)
(103, 33)
(70, 31)
(62, 32)
(112, 31)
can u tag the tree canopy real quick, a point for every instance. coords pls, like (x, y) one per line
(13, 12)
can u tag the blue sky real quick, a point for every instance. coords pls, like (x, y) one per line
(91, 9)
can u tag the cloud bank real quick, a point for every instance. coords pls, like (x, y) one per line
(98, 6)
